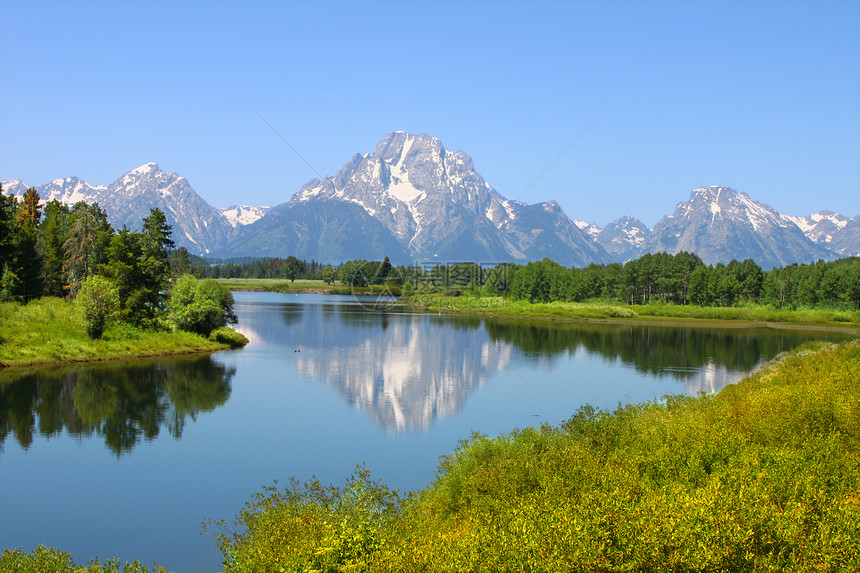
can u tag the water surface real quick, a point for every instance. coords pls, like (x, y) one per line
(128, 458)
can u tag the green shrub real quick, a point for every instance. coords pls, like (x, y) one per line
(310, 527)
(226, 335)
(200, 306)
(49, 560)
(98, 304)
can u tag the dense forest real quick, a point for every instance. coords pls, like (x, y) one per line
(133, 277)
(680, 279)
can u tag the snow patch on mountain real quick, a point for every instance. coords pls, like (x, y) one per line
(591, 228)
(821, 227)
(240, 215)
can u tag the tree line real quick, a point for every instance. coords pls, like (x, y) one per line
(684, 279)
(681, 279)
(73, 252)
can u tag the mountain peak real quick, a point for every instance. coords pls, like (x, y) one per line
(720, 224)
(144, 169)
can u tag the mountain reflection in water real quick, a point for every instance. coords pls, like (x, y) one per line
(406, 370)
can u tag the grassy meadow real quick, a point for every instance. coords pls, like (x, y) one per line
(48, 330)
(611, 310)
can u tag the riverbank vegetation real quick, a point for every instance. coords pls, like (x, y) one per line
(50, 330)
(49, 560)
(128, 292)
(614, 311)
(677, 286)
(763, 476)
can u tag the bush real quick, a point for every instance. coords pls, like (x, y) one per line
(311, 527)
(200, 306)
(226, 335)
(49, 560)
(98, 304)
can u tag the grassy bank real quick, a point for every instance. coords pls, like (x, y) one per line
(764, 476)
(304, 286)
(49, 331)
(657, 312)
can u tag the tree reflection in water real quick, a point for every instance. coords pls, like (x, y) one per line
(124, 402)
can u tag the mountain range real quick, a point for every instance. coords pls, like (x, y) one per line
(411, 199)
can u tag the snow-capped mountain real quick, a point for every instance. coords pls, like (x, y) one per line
(69, 190)
(821, 226)
(720, 224)
(427, 199)
(238, 215)
(412, 199)
(196, 224)
(838, 233)
(624, 238)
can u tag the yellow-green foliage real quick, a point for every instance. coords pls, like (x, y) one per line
(310, 527)
(49, 330)
(49, 560)
(764, 476)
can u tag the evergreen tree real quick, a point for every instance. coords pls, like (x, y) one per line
(8, 207)
(27, 262)
(124, 267)
(53, 233)
(89, 235)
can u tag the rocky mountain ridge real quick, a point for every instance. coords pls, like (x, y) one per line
(414, 200)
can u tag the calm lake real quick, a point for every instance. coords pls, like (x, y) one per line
(129, 458)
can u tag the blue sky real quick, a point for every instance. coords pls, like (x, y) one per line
(763, 97)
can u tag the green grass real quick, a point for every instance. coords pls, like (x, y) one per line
(307, 286)
(610, 310)
(764, 476)
(49, 330)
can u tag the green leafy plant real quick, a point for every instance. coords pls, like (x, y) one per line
(200, 306)
(98, 304)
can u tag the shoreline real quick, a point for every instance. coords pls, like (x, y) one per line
(849, 328)
(465, 309)
(672, 321)
(6, 367)
(48, 333)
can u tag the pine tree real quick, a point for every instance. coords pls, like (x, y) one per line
(85, 248)
(27, 262)
(53, 233)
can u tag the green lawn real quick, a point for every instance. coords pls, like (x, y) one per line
(611, 310)
(48, 330)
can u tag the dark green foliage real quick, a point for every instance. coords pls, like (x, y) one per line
(181, 263)
(53, 233)
(292, 268)
(86, 245)
(125, 403)
(8, 206)
(26, 264)
(124, 267)
(200, 306)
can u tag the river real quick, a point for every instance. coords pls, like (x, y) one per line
(129, 458)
